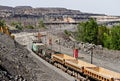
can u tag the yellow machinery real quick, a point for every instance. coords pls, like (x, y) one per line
(5, 30)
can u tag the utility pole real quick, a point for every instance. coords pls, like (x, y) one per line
(59, 45)
(92, 55)
(91, 51)
(60, 40)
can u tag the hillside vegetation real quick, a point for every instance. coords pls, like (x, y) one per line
(91, 32)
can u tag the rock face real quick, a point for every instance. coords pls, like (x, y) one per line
(5, 8)
(17, 64)
(12, 56)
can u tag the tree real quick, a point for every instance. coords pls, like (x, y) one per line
(88, 31)
(30, 27)
(19, 26)
(107, 40)
(101, 31)
(92, 33)
(67, 32)
(115, 37)
(80, 32)
(41, 24)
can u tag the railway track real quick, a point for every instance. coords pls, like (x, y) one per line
(72, 73)
(81, 70)
(79, 77)
(68, 77)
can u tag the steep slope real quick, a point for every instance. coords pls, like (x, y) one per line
(17, 64)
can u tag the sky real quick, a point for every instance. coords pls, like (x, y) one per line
(108, 7)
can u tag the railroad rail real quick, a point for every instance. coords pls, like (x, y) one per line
(75, 67)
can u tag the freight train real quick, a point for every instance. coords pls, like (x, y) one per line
(74, 66)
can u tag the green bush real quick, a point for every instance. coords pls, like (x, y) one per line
(92, 33)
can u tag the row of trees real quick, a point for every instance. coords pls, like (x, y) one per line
(19, 26)
(91, 32)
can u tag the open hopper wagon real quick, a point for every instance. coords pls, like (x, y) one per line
(102, 74)
(77, 65)
(60, 58)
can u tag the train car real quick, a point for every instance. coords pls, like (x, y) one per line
(60, 58)
(102, 74)
(47, 53)
(37, 47)
(59, 61)
(69, 63)
(77, 65)
(40, 49)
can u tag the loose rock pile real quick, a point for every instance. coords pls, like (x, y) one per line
(11, 56)
(98, 50)
(19, 64)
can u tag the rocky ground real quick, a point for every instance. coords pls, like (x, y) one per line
(98, 50)
(103, 57)
(17, 64)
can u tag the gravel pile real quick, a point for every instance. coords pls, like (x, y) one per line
(109, 55)
(12, 56)
(5, 76)
(19, 64)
